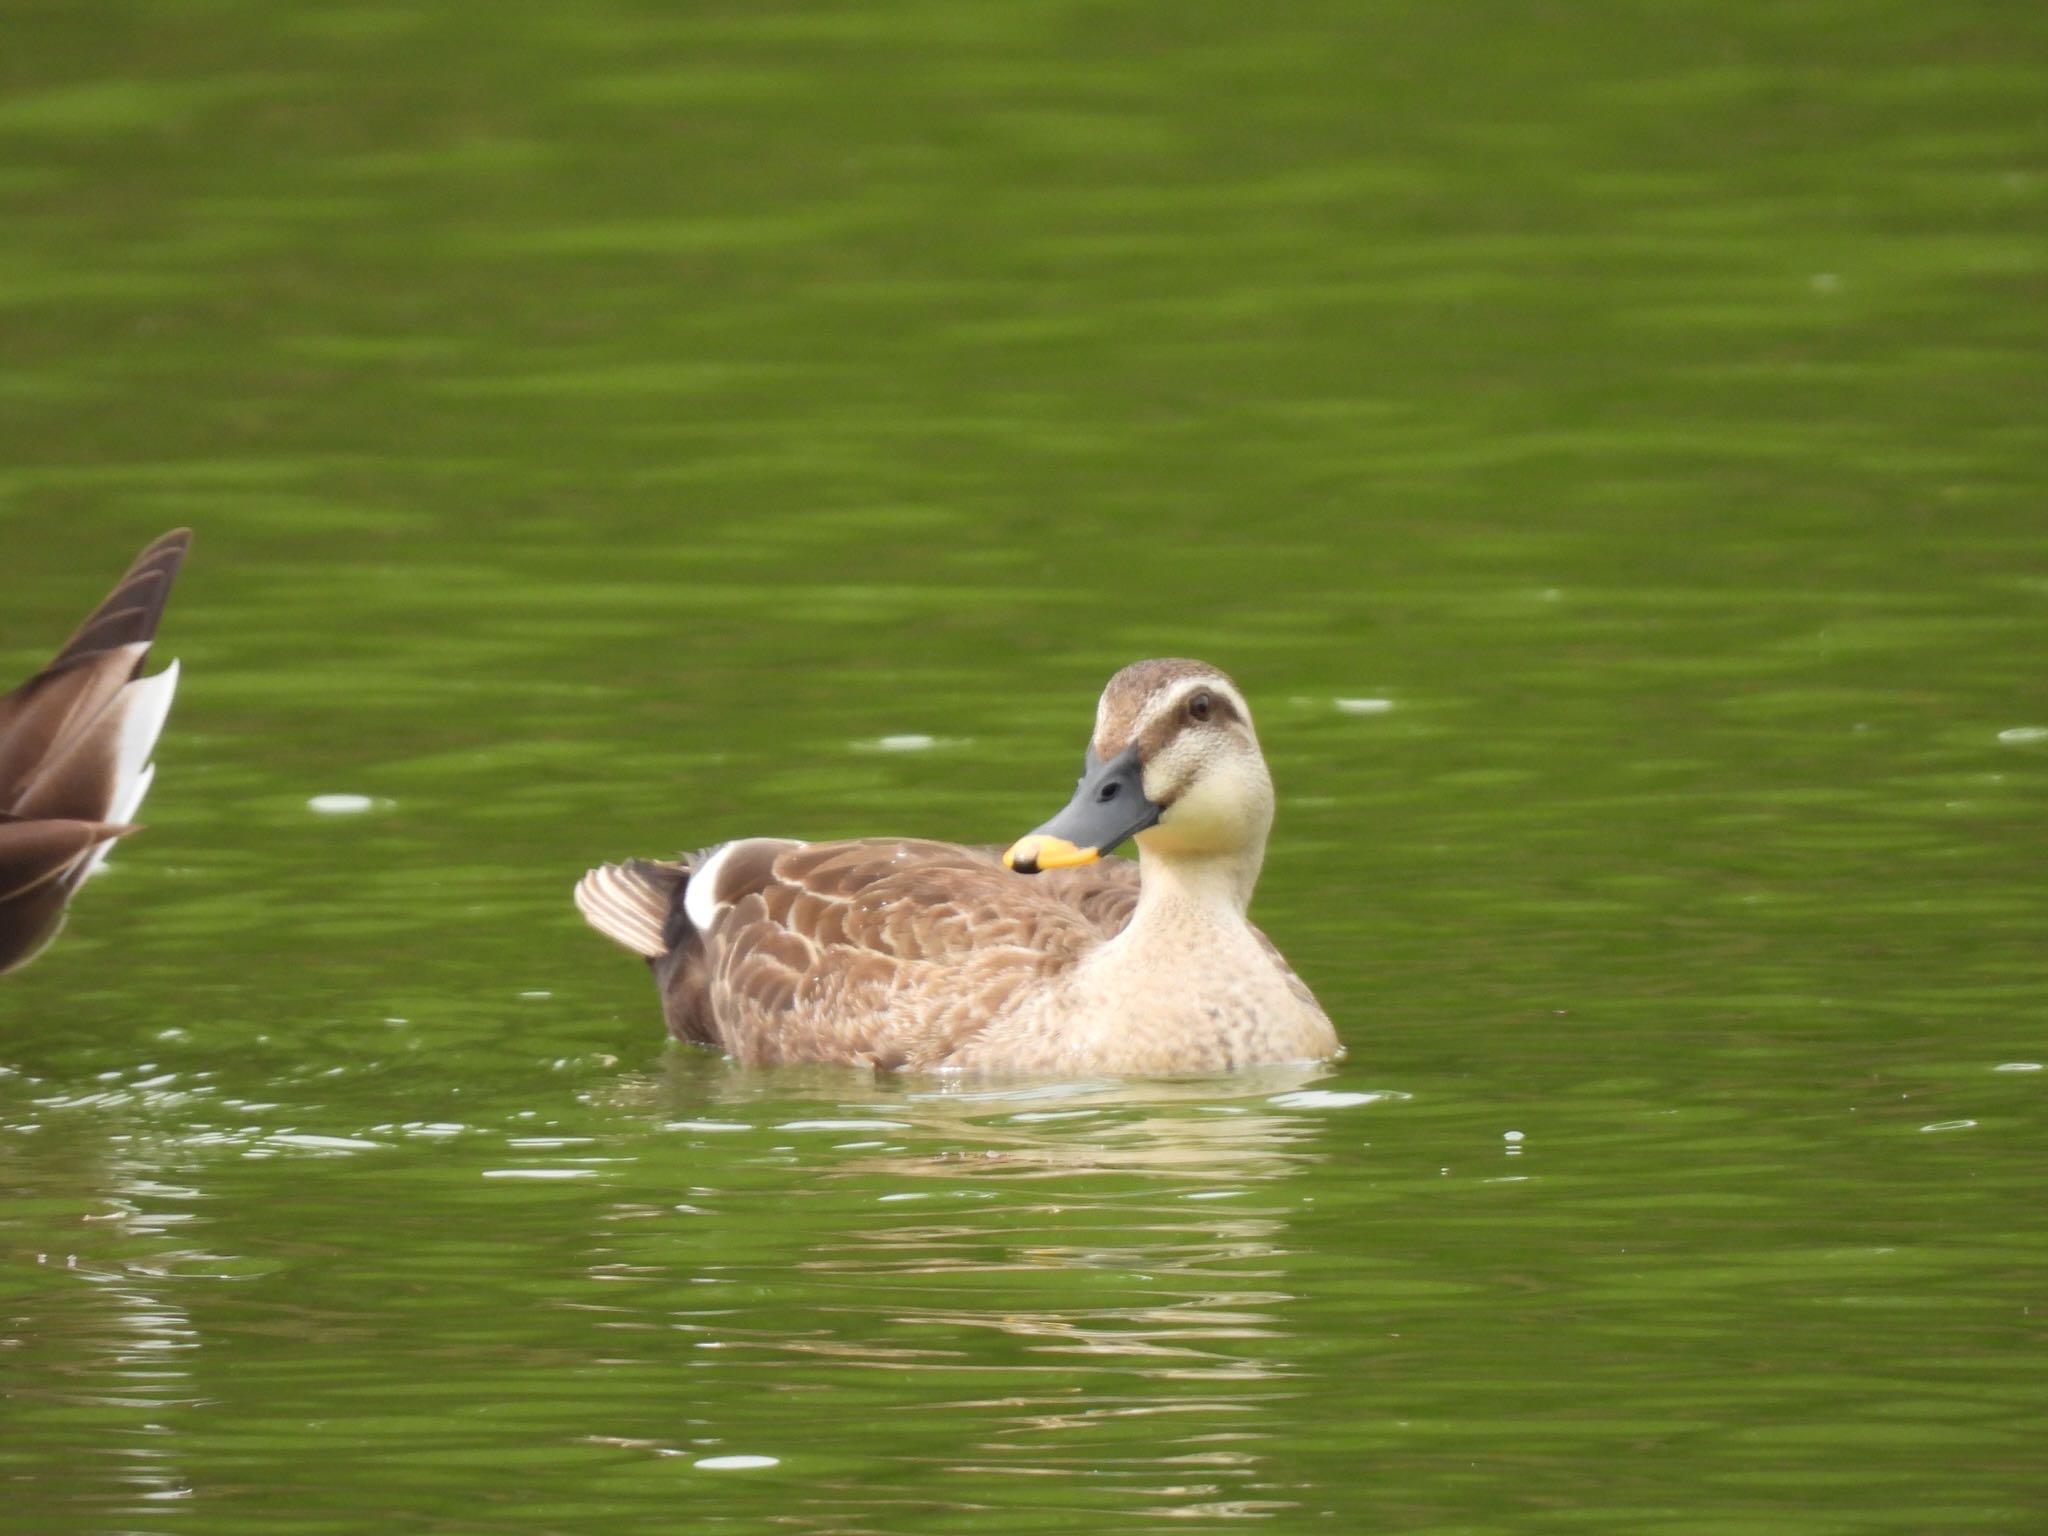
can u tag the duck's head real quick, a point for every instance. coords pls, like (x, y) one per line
(1173, 762)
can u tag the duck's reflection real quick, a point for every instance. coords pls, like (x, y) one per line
(93, 1332)
(1087, 1284)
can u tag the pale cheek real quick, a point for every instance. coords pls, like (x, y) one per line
(1201, 816)
(1176, 777)
(1162, 786)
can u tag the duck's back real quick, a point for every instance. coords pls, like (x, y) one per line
(892, 952)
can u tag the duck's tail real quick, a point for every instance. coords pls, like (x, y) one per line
(629, 903)
(75, 745)
(75, 739)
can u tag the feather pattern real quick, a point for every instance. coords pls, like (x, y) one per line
(900, 953)
(75, 744)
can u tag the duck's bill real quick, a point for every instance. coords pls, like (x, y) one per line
(1109, 805)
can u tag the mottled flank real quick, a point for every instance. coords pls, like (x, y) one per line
(75, 743)
(892, 952)
(901, 953)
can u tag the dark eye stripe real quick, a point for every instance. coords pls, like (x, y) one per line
(1165, 727)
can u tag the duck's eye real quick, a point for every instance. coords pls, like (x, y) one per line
(1200, 705)
(1108, 791)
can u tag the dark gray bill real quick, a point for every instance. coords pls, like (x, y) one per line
(1109, 805)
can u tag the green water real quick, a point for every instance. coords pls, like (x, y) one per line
(604, 425)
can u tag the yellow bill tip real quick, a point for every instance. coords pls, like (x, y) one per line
(1028, 855)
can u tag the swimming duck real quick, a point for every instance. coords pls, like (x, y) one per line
(1045, 959)
(75, 741)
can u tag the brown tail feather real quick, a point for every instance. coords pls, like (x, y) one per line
(132, 611)
(41, 863)
(41, 720)
(629, 903)
(75, 741)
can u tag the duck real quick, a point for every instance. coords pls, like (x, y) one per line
(1047, 958)
(76, 741)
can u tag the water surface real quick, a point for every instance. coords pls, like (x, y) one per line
(1604, 444)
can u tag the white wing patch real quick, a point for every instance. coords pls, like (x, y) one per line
(700, 897)
(142, 707)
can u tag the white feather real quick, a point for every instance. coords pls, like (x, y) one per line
(142, 706)
(98, 857)
(128, 796)
(700, 899)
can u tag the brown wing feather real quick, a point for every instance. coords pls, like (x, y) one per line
(34, 852)
(43, 719)
(74, 742)
(1105, 892)
(74, 751)
(887, 951)
(39, 865)
(131, 612)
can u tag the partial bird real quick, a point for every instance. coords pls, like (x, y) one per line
(1045, 959)
(75, 744)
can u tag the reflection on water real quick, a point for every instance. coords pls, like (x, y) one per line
(822, 1302)
(617, 427)
(1127, 1243)
(1086, 1285)
(93, 1332)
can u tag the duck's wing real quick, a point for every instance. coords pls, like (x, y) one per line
(75, 744)
(38, 860)
(882, 951)
(75, 738)
(1104, 892)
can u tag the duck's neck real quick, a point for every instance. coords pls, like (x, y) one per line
(1195, 891)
